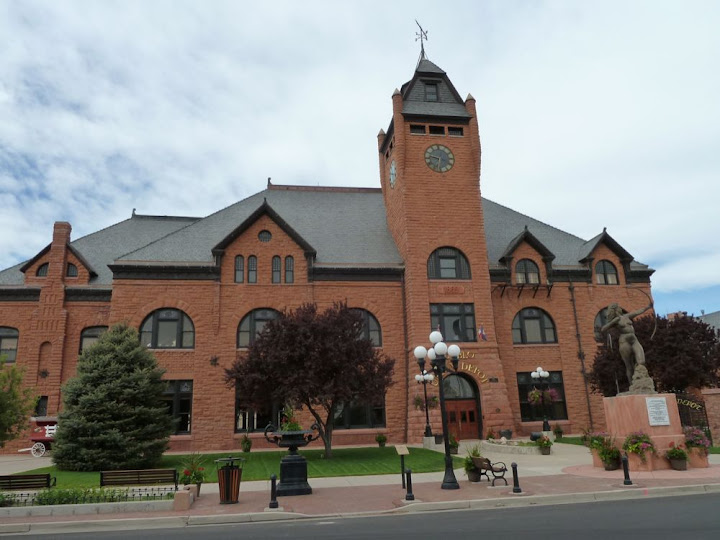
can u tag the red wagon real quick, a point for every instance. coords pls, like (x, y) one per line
(42, 434)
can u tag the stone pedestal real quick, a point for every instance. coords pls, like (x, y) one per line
(629, 413)
(697, 458)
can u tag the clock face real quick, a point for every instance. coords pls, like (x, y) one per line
(393, 174)
(439, 158)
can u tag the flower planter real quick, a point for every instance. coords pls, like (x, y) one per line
(545, 450)
(698, 458)
(597, 462)
(678, 464)
(507, 433)
(453, 449)
(611, 465)
(474, 475)
(636, 464)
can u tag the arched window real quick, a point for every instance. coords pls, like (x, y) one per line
(533, 325)
(167, 329)
(600, 320)
(276, 269)
(526, 271)
(252, 324)
(448, 263)
(90, 335)
(371, 327)
(289, 269)
(239, 269)
(252, 269)
(8, 343)
(606, 273)
(457, 387)
(42, 270)
(71, 270)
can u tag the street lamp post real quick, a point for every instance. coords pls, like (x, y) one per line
(438, 366)
(424, 378)
(542, 376)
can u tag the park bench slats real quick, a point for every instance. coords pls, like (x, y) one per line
(26, 481)
(139, 477)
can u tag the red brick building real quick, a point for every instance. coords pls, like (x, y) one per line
(512, 291)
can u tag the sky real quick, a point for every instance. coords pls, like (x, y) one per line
(591, 114)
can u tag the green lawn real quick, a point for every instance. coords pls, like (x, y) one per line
(260, 465)
(570, 440)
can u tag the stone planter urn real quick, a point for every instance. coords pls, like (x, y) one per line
(545, 450)
(293, 466)
(474, 475)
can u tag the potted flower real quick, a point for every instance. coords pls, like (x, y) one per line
(678, 457)
(507, 433)
(639, 444)
(490, 434)
(193, 471)
(537, 397)
(245, 443)
(609, 454)
(544, 443)
(595, 441)
(453, 443)
(381, 440)
(473, 473)
(697, 444)
(558, 431)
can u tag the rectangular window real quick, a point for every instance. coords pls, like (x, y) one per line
(431, 92)
(289, 269)
(359, 415)
(41, 406)
(455, 131)
(8, 348)
(456, 322)
(178, 400)
(555, 410)
(248, 420)
(239, 269)
(448, 267)
(276, 269)
(437, 130)
(417, 129)
(252, 269)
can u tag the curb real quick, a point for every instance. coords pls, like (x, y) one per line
(623, 493)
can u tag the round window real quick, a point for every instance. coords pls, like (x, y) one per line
(264, 236)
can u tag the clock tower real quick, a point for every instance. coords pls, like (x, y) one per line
(430, 175)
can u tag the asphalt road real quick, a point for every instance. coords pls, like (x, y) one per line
(694, 517)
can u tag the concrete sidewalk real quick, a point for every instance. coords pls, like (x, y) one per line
(566, 476)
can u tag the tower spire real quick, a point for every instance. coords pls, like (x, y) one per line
(422, 36)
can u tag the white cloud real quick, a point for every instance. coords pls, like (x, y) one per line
(591, 114)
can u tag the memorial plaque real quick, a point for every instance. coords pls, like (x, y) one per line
(657, 409)
(402, 449)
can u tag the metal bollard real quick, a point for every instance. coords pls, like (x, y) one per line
(273, 492)
(626, 470)
(409, 495)
(516, 480)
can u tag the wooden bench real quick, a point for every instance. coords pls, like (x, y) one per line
(497, 469)
(26, 481)
(139, 478)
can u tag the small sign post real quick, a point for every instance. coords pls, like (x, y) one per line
(402, 451)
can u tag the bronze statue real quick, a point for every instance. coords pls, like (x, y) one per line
(631, 350)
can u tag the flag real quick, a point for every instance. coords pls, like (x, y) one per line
(481, 332)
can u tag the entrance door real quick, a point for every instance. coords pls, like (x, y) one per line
(462, 418)
(462, 405)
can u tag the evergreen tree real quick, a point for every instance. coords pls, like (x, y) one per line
(113, 416)
(16, 403)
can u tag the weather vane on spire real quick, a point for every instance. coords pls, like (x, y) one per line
(422, 36)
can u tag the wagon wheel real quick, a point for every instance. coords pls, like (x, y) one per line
(38, 449)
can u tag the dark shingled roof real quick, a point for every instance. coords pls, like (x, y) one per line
(347, 227)
(101, 248)
(449, 103)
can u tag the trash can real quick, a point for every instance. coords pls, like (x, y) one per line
(229, 471)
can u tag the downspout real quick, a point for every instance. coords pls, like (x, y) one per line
(407, 364)
(581, 353)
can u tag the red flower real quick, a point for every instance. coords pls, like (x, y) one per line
(186, 472)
